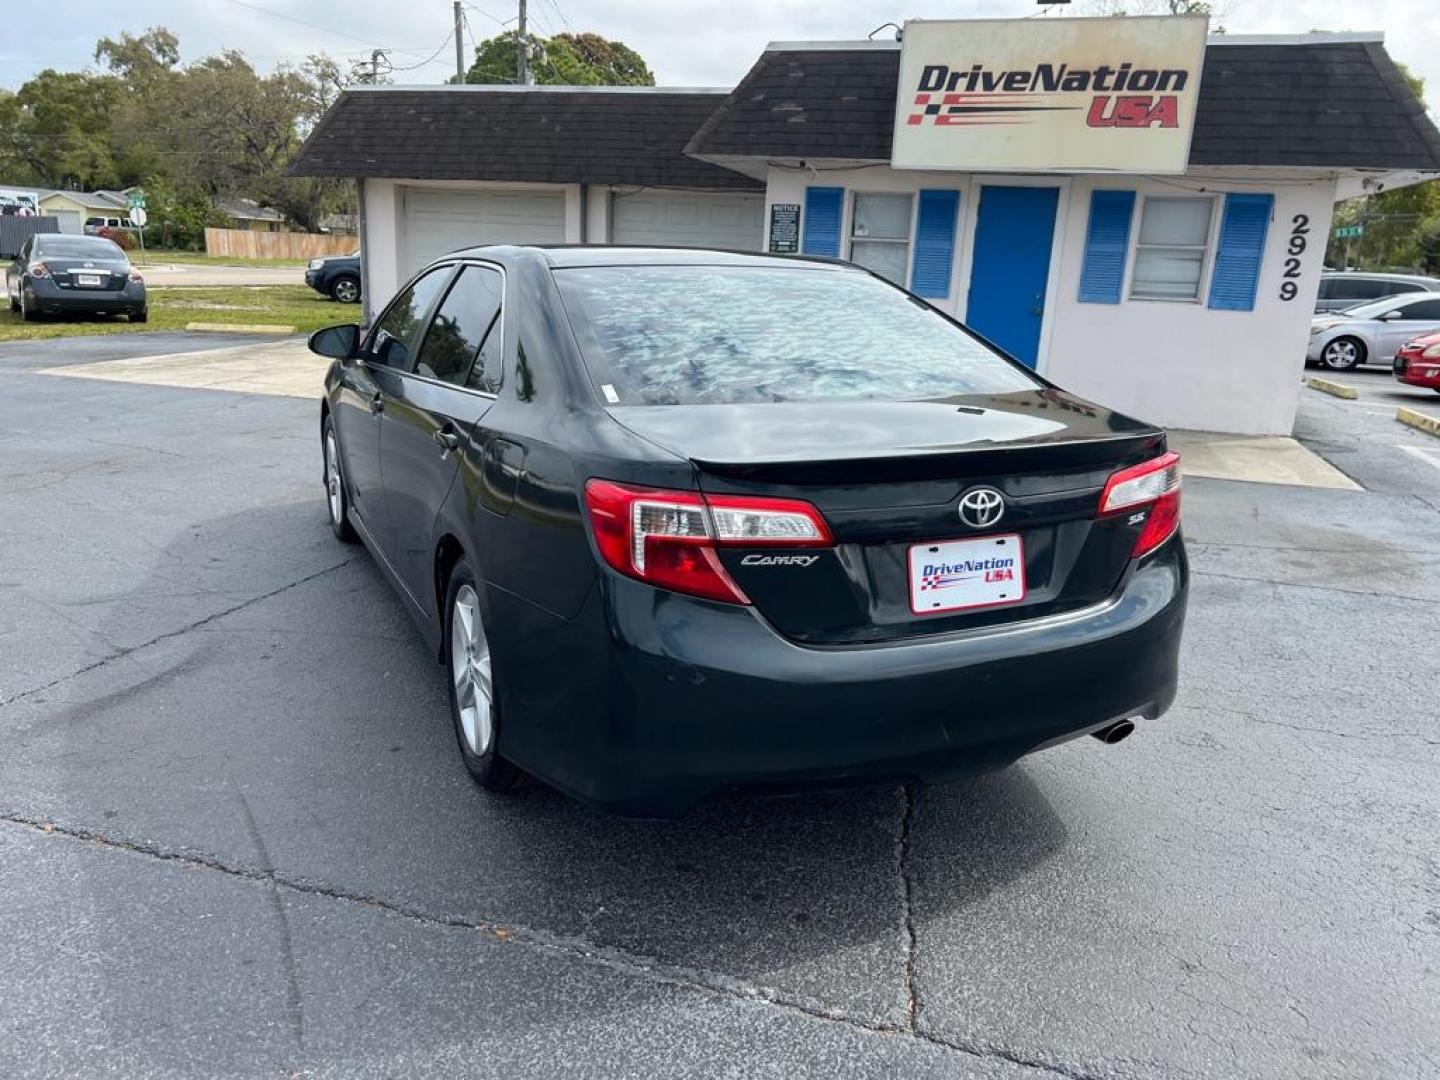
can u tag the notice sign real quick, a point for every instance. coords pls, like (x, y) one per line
(784, 228)
(1049, 95)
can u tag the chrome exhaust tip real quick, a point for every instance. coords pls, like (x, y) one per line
(1116, 732)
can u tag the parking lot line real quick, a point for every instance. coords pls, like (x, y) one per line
(1424, 453)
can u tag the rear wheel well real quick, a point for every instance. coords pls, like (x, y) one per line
(447, 553)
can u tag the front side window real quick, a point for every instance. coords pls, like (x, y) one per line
(880, 234)
(679, 335)
(393, 340)
(1170, 253)
(464, 317)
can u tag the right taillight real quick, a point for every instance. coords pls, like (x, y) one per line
(1153, 486)
(669, 538)
(39, 269)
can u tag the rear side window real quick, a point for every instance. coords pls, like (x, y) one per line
(460, 326)
(1426, 310)
(398, 330)
(671, 335)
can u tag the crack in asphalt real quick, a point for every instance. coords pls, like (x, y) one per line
(620, 961)
(128, 650)
(293, 999)
(907, 902)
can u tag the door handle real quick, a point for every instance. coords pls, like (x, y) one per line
(446, 438)
(377, 404)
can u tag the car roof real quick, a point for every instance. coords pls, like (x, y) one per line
(569, 255)
(1380, 275)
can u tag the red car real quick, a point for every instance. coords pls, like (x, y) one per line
(1418, 362)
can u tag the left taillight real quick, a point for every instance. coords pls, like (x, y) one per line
(39, 269)
(670, 538)
(1153, 486)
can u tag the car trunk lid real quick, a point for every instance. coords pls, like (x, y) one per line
(889, 477)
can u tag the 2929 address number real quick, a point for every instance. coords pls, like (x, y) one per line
(1299, 231)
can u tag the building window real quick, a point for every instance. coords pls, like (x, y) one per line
(1170, 254)
(880, 234)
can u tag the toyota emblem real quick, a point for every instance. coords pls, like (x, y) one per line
(981, 507)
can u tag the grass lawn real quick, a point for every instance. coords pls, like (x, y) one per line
(162, 257)
(171, 309)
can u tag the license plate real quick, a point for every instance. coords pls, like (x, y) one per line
(92, 280)
(955, 575)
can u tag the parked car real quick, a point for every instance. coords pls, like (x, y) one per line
(1371, 333)
(1418, 362)
(94, 225)
(337, 277)
(670, 536)
(55, 274)
(1345, 289)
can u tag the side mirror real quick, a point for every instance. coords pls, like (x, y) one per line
(1392, 315)
(337, 342)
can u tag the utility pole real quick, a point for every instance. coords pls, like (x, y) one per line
(459, 43)
(522, 51)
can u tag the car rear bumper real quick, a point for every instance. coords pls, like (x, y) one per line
(692, 697)
(48, 298)
(1415, 371)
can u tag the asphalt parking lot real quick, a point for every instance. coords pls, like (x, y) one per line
(235, 838)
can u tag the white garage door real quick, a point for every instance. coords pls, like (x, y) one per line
(689, 219)
(439, 221)
(69, 221)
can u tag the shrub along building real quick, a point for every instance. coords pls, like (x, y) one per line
(1136, 212)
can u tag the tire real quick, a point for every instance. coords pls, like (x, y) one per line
(337, 498)
(25, 313)
(470, 675)
(1342, 354)
(14, 304)
(346, 289)
(140, 316)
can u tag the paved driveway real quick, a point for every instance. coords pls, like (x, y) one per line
(235, 839)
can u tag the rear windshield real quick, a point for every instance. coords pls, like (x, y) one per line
(78, 247)
(676, 335)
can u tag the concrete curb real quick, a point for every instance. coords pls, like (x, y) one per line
(1335, 389)
(240, 328)
(1418, 420)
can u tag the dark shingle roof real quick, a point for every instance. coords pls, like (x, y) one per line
(551, 136)
(1316, 103)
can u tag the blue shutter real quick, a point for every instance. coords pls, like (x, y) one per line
(1242, 246)
(934, 244)
(824, 207)
(1107, 246)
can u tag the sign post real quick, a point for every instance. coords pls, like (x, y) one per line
(136, 198)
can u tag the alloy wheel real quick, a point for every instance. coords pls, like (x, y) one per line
(1341, 354)
(346, 291)
(470, 671)
(332, 480)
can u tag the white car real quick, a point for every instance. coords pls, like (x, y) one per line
(1373, 332)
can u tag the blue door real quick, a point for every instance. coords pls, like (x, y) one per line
(1010, 264)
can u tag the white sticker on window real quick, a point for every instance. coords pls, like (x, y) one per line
(611, 397)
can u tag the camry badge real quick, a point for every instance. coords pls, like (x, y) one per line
(981, 507)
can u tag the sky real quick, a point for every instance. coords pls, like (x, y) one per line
(686, 42)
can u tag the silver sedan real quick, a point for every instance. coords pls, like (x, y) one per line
(1371, 333)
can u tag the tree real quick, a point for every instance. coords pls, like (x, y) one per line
(563, 60)
(56, 130)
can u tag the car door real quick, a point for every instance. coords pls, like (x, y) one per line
(428, 424)
(1418, 317)
(367, 385)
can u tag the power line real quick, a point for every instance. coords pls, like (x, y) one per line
(431, 58)
(317, 26)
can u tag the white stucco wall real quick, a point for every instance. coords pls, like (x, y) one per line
(1182, 364)
(1179, 364)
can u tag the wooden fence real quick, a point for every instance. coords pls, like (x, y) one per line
(243, 244)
